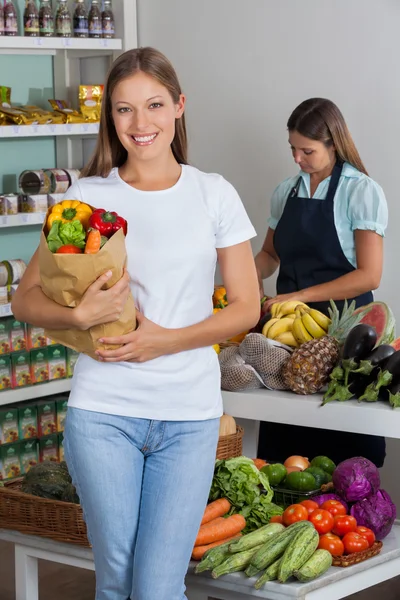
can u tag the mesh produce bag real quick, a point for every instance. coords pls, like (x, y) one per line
(267, 359)
(236, 375)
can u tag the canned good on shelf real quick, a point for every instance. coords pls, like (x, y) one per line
(3, 274)
(3, 206)
(35, 182)
(15, 270)
(11, 201)
(73, 175)
(59, 180)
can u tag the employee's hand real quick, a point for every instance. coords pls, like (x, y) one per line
(280, 298)
(147, 342)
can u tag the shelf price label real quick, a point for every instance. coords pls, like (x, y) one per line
(38, 41)
(67, 42)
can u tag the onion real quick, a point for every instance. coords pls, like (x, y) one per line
(291, 469)
(297, 461)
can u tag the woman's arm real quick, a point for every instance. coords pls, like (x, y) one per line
(267, 260)
(366, 277)
(97, 306)
(150, 340)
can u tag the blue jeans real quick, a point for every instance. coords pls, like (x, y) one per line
(143, 487)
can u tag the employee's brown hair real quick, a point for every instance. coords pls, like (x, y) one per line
(320, 119)
(109, 151)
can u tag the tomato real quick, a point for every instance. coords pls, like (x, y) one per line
(69, 249)
(354, 542)
(344, 524)
(276, 519)
(366, 533)
(310, 505)
(322, 520)
(295, 512)
(334, 507)
(332, 543)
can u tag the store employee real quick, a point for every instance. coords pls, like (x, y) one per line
(326, 237)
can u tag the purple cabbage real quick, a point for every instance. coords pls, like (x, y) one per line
(356, 478)
(324, 497)
(376, 512)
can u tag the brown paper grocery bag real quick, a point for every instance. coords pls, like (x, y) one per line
(66, 277)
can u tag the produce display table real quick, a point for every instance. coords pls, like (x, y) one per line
(376, 418)
(334, 584)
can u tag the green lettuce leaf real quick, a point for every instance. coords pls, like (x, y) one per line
(259, 513)
(73, 232)
(54, 241)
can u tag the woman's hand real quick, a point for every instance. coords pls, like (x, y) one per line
(281, 298)
(99, 306)
(147, 342)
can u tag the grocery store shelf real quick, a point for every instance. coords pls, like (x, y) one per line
(375, 418)
(35, 391)
(52, 43)
(67, 129)
(22, 219)
(5, 310)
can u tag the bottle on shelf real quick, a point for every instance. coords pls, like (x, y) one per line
(81, 26)
(95, 30)
(46, 19)
(10, 18)
(63, 20)
(1, 18)
(31, 19)
(107, 20)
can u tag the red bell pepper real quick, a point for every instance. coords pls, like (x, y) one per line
(107, 222)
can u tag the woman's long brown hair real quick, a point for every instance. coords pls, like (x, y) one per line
(320, 119)
(109, 151)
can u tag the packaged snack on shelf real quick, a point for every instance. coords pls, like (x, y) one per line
(47, 423)
(50, 342)
(72, 357)
(61, 455)
(27, 421)
(57, 362)
(70, 115)
(10, 461)
(17, 116)
(5, 372)
(5, 96)
(48, 448)
(90, 97)
(11, 204)
(61, 410)
(4, 293)
(32, 204)
(3, 206)
(34, 182)
(15, 268)
(9, 425)
(18, 335)
(35, 337)
(29, 455)
(43, 117)
(21, 370)
(53, 199)
(39, 365)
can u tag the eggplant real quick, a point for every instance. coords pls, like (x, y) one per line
(387, 375)
(377, 358)
(394, 394)
(359, 342)
(358, 383)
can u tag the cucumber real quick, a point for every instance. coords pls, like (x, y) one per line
(213, 557)
(297, 553)
(235, 562)
(316, 566)
(269, 574)
(275, 547)
(255, 538)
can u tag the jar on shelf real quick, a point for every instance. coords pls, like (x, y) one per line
(107, 20)
(10, 18)
(31, 19)
(81, 26)
(1, 18)
(63, 20)
(46, 19)
(95, 28)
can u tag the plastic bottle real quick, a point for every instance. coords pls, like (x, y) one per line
(95, 29)
(81, 26)
(63, 20)
(10, 18)
(107, 20)
(1, 19)
(46, 19)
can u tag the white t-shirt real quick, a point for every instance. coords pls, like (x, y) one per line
(171, 245)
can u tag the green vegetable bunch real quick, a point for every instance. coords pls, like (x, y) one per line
(62, 234)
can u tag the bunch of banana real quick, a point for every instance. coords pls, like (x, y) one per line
(293, 323)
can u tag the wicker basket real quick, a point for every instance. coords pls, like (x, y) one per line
(60, 521)
(357, 557)
(230, 446)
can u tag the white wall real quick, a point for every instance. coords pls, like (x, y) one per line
(246, 64)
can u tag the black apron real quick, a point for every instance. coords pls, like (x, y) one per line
(310, 253)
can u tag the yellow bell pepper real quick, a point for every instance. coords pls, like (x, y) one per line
(70, 210)
(219, 297)
(217, 348)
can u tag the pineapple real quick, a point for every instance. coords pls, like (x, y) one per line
(309, 366)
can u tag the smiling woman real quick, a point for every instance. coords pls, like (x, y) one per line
(148, 411)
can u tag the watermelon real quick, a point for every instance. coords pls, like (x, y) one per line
(379, 315)
(396, 344)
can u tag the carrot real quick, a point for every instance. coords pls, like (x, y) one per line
(93, 242)
(212, 532)
(199, 551)
(215, 509)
